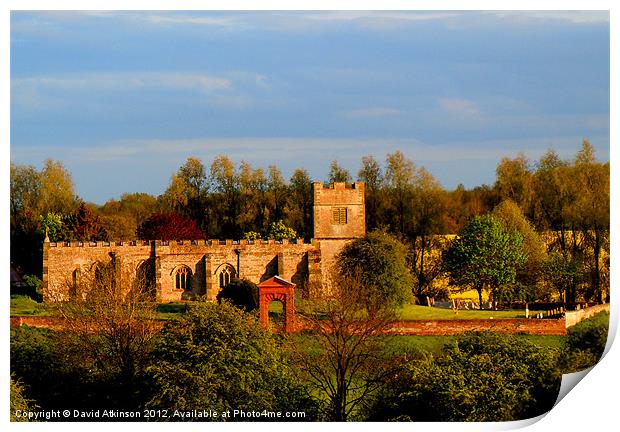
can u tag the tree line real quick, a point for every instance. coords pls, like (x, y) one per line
(560, 208)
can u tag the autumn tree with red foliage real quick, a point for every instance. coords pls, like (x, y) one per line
(169, 226)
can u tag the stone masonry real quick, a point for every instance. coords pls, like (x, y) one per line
(185, 269)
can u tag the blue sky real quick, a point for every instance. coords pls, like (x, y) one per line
(123, 98)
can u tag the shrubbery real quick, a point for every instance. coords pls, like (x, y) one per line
(216, 357)
(585, 342)
(480, 377)
(240, 292)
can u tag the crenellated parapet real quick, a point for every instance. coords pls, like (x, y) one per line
(148, 243)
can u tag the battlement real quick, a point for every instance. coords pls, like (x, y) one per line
(148, 243)
(340, 185)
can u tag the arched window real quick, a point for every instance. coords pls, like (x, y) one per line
(226, 273)
(182, 278)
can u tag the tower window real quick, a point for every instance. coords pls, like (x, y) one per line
(339, 215)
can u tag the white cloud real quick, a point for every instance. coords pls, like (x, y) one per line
(122, 81)
(371, 112)
(378, 20)
(460, 107)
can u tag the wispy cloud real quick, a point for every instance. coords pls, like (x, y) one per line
(122, 81)
(372, 112)
(460, 107)
(293, 22)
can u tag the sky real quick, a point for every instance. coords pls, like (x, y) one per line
(123, 98)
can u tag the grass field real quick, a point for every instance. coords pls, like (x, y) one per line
(401, 345)
(24, 305)
(415, 312)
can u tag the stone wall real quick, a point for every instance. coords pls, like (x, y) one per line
(574, 317)
(205, 261)
(403, 328)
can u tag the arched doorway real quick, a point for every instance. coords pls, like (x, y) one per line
(277, 290)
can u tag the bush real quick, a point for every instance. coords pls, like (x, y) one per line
(217, 358)
(479, 377)
(241, 293)
(585, 342)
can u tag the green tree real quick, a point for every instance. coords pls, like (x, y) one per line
(561, 273)
(54, 226)
(530, 274)
(378, 260)
(484, 256)
(234, 365)
(279, 231)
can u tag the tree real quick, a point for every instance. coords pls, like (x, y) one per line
(53, 226)
(479, 377)
(370, 173)
(338, 173)
(226, 201)
(279, 231)
(514, 179)
(530, 274)
(276, 191)
(110, 316)
(299, 210)
(241, 293)
(216, 357)
(350, 360)
(484, 256)
(57, 191)
(590, 210)
(121, 218)
(187, 189)
(169, 226)
(399, 179)
(427, 209)
(34, 194)
(560, 273)
(378, 260)
(85, 225)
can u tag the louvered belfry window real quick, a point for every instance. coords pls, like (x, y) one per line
(339, 215)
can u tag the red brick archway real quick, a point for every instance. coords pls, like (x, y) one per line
(280, 289)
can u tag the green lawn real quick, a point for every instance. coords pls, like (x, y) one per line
(24, 305)
(402, 345)
(415, 312)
